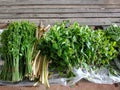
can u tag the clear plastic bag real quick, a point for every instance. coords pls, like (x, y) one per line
(101, 76)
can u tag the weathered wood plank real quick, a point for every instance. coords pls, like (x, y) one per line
(82, 21)
(62, 16)
(69, 6)
(57, 10)
(10, 2)
(90, 12)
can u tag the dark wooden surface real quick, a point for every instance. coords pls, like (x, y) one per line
(83, 85)
(90, 12)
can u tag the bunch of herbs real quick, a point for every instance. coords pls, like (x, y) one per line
(17, 43)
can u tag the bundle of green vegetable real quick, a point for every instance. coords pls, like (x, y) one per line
(17, 48)
(76, 46)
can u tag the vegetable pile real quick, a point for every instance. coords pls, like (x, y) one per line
(29, 52)
(77, 46)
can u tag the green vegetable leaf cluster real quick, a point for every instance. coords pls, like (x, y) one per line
(113, 33)
(73, 45)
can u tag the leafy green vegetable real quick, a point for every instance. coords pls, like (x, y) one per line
(113, 33)
(17, 43)
(75, 45)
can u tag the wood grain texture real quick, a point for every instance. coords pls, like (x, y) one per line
(90, 12)
(82, 21)
(61, 15)
(57, 10)
(70, 6)
(10, 2)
